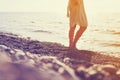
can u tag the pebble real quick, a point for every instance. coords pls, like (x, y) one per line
(48, 67)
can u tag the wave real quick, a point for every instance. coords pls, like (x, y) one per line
(42, 31)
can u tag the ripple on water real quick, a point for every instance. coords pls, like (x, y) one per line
(42, 31)
(114, 32)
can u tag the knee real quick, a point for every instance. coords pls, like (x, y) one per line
(83, 27)
(72, 28)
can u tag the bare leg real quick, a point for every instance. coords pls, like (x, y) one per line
(71, 35)
(78, 35)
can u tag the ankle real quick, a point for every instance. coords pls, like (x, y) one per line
(74, 46)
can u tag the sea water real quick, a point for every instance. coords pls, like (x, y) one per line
(102, 34)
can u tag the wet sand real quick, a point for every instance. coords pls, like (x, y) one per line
(48, 61)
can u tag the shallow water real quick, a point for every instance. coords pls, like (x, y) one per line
(102, 34)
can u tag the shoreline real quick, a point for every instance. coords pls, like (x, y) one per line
(67, 59)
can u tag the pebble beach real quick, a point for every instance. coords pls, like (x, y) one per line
(22, 58)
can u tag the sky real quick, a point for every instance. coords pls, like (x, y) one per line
(57, 5)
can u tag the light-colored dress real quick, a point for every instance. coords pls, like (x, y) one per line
(77, 13)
